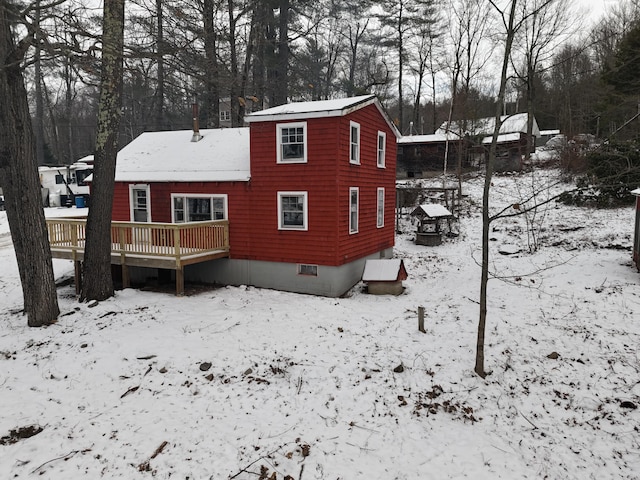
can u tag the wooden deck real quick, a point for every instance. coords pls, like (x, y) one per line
(155, 245)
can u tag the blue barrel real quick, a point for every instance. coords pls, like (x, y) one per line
(79, 202)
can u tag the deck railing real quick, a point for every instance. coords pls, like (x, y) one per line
(174, 240)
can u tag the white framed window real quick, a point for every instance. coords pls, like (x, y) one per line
(354, 204)
(189, 207)
(292, 211)
(140, 203)
(225, 116)
(354, 142)
(382, 144)
(380, 208)
(309, 270)
(291, 142)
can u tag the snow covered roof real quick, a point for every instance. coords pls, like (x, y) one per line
(432, 138)
(507, 137)
(546, 133)
(221, 155)
(319, 109)
(432, 210)
(86, 159)
(384, 270)
(636, 192)
(485, 126)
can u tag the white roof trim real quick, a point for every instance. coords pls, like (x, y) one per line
(319, 109)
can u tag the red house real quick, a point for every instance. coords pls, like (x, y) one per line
(308, 190)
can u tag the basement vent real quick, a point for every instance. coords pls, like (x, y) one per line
(311, 270)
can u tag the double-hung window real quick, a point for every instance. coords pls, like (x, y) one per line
(198, 208)
(380, 208)
(292, 211)
(382, 142)
(354, 194)
(354, 142)
(292, 142)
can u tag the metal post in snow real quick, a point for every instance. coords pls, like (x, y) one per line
(421, 319)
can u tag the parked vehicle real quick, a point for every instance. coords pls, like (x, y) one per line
(61, 185)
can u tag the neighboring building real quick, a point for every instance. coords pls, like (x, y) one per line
(308, 190)
(636, 236)
(250, 104)
(511, 142)
(420, 154)
(545, 136)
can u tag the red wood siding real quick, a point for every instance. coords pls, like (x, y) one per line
(121, 203)
(327, 177)
(238, 204)
(368, 177)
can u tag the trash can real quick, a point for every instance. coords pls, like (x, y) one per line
(79, 202)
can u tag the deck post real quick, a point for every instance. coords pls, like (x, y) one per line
(126, 279)
(180, 281)
(77, 273)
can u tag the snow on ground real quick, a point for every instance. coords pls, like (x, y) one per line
(239, 382)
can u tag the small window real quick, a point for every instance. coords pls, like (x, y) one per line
(178, 209)
(59, 179)
(81, 175)
(354, 150)
(353, 209)
(292, 210)
(292, 142)
(311, 270)
(380, 208)
(225, 116)
(382, 142)
(198, 208)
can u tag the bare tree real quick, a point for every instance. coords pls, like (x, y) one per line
(508, 21)
(511, 26)
(19, 175)
(399, 19)
(211, 76)
(97, 281)
(540, 33)
(468, 24)
(424, 47)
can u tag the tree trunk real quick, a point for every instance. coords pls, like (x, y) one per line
(39, 118)
(212, 100)
(97, 283)
(160, 119)
(486, 218)
(21, 185)
(530, 115)
(282, 86)
(233, 65)
(400, 78)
